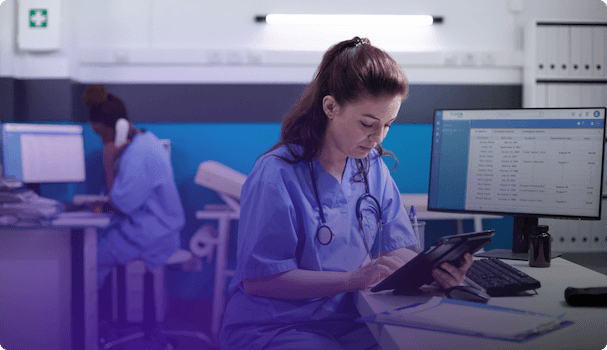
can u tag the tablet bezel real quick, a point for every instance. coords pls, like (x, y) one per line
(417, 271)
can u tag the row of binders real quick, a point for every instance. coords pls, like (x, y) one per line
(571, 51)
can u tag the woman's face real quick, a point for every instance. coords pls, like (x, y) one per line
(106, 133)
(356, 128)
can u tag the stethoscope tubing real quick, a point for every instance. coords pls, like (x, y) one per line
(325, 235)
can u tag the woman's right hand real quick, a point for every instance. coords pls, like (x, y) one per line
(375, 270)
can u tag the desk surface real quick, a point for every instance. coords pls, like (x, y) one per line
(82, 219)
(588, 331)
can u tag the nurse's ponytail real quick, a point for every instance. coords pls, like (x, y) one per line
(349, 71)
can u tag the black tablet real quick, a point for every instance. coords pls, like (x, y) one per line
(417, 272)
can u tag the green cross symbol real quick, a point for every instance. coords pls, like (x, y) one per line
(38, 18)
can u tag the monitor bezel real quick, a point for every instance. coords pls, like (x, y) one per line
(3, 125)
(505, 213)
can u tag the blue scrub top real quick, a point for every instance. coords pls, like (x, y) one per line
(145, 191)
(277, 232)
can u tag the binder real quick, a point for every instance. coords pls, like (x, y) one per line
(574, 95)
(540, 96)
(575, 51)
(596, 95)
(586, 94)
(598, 51)
(551, 47)
(471, 319)
(562, 51)
(541, 53)
(587, 34)
(551, 95)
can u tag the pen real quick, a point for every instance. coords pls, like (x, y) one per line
(414, 218)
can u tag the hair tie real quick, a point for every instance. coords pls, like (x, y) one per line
(361, 41)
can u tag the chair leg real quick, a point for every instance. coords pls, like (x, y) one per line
(149, 305)
(151, 330)
(121, 294)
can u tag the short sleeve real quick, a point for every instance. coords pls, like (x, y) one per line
(396, 224)
(267, 236)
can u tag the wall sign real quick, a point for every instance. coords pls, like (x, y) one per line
(39, 23)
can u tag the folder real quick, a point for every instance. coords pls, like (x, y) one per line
(587, 35)
(598, 51)
(562, 51)
(575, 51)
(471, 319)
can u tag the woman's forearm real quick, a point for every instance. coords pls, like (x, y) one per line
(301, 284)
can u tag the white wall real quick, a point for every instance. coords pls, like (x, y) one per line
(218, 41)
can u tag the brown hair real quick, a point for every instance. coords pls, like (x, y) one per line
(349, 71)
(103, 107)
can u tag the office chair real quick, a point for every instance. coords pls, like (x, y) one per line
(150, 329)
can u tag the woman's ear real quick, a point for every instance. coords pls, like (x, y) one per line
(330, 106)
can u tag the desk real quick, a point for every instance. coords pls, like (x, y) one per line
(48, 284)
(588, 331)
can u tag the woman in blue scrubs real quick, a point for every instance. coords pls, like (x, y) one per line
(148, 215)
(312, 207)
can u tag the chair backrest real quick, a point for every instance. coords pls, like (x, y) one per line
(220, 178)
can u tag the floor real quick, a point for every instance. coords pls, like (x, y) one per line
(188, 315)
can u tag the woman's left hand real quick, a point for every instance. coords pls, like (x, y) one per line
(451, 276)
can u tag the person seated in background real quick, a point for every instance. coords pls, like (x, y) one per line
(147, 211)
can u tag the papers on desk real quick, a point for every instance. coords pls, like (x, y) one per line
(473, 319)
(82, 218)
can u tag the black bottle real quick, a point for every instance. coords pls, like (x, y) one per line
(539, 246)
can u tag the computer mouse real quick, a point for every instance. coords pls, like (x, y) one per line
(467, 293)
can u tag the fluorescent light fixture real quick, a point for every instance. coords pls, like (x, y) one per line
(377, 20)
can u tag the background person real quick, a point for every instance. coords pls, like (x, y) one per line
(148, 214)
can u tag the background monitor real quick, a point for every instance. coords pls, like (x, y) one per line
(527, 163)
(43, 153)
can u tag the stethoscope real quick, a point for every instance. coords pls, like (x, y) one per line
(325, 235)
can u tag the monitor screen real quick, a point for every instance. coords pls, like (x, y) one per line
(535, 162)
(43, 153)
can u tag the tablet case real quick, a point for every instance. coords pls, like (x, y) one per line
(417, 272)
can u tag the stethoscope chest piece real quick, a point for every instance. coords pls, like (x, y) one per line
(324, 235)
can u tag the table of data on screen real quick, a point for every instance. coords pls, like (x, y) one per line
(534, 168)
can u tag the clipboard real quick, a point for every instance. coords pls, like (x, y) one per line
(471, 319)
(417, 272)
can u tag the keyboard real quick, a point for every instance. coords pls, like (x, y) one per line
(499, 278)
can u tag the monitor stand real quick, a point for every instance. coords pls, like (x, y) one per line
(520, 242)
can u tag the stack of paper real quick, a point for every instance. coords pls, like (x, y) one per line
(468, 318)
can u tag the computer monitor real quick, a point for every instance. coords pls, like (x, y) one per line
(526, 163)
(43, 153)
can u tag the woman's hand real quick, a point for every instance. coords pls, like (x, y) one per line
(451, 276)
(374, 271)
